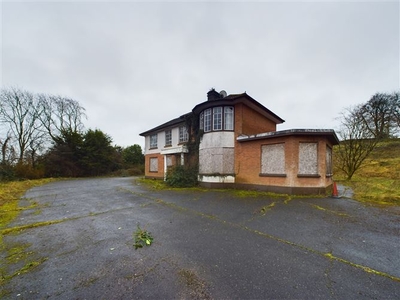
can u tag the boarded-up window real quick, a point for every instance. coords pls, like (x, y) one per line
(153, 164)
(329, 170)
(169, 160)
(273, 159)
(308, 158)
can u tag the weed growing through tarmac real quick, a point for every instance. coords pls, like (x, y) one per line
(142, 238)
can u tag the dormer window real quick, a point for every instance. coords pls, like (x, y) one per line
(217, 119)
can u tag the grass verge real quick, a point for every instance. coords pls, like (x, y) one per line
(378, 180)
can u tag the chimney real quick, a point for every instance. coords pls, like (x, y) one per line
(213, 95)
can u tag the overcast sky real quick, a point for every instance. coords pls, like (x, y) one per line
(135, 65)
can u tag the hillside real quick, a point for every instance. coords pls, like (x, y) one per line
(378, 180)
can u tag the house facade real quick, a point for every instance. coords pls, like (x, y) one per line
(240, 147)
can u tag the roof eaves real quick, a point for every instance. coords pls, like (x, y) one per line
(165, 125)
(330, 133)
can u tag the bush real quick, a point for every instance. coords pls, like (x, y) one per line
(7, 172)
(134, 171)
(182, 176)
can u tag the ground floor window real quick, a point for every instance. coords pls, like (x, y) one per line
(308, 159)
(273, 160)
(328, 162)
(153, 164)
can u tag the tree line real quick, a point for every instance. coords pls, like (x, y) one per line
(43, 135)
(365, 125)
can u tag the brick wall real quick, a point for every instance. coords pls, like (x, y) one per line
(160, 173)
(248, 121)
(248, 163)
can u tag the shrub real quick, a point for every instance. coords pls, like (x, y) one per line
(182, 176)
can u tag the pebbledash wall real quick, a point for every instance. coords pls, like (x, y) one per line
(241, 148)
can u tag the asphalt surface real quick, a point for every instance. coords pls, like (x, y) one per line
(78, 244)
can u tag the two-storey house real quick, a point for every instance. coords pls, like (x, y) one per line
(241, 147)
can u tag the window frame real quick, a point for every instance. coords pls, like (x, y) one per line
(232, 114)
(153, 141)
(207, 120)
(168, 137)
(183, 134)
(217, 118)
(151, 165)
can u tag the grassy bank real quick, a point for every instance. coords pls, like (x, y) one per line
(378, 180)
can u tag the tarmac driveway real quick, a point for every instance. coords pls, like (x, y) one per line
(77, 243)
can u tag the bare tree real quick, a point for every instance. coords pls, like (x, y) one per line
(20, 111)
(381, 115)
(60, 114)
(4, 149)
(357, 142)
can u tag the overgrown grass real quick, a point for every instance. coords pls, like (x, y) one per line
(10, 193)
(16, 258)
(378, 180)
(157, 184)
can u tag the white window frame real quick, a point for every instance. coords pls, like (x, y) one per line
(207, 120)
(217, 118)
(168, 137)
(183, 134)
(153, 141)
(228, 115)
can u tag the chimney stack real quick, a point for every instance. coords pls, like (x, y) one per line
(213, 95)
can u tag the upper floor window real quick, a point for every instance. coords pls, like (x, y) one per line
(168, 138)
(153, 141)
(202, 120)
(183, 134)
(207, 120)
(228, 118)
(217, 118)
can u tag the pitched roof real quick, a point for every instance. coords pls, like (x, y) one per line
(168, 124)
(231, 99)
(240, 98)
